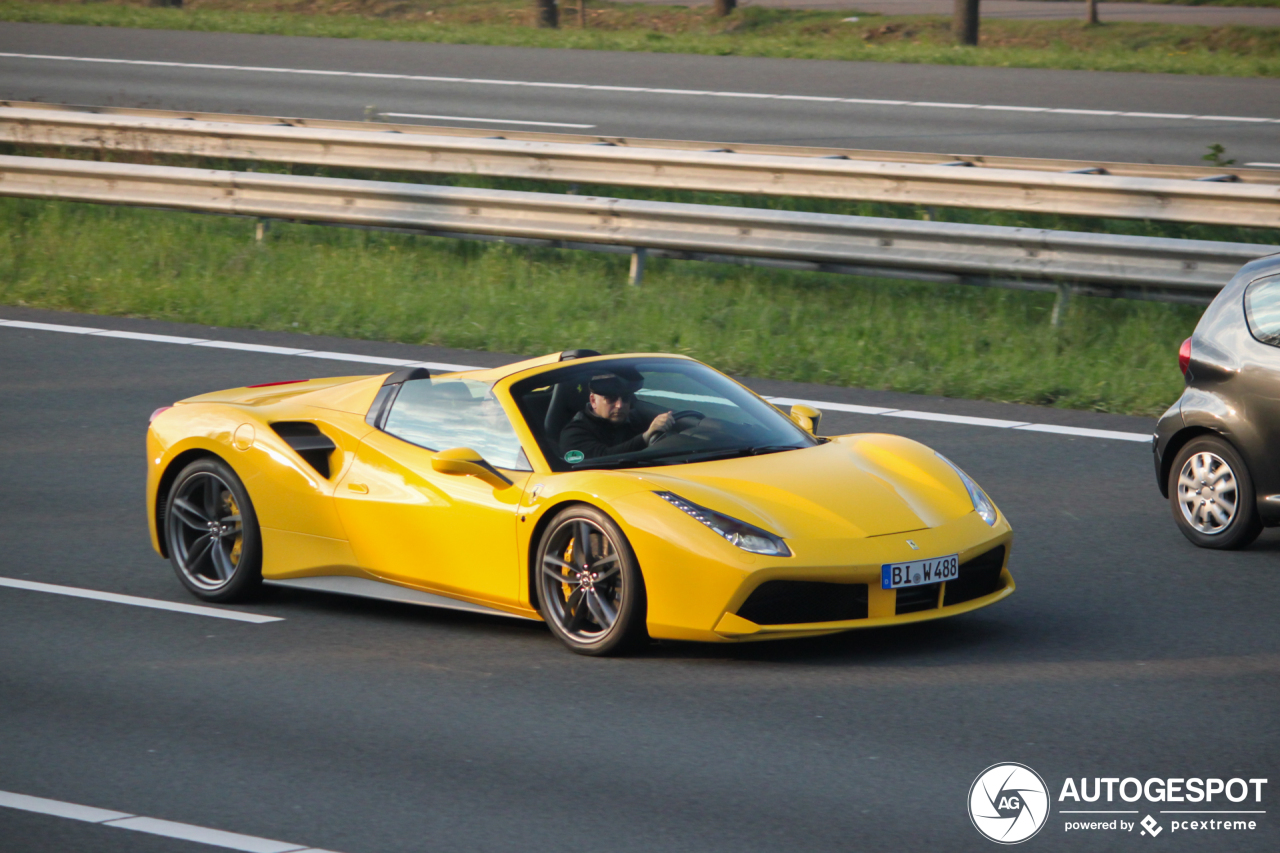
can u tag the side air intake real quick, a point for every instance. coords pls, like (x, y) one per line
(309, 442)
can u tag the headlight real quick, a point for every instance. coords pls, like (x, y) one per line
(746, 536)
(981, 503)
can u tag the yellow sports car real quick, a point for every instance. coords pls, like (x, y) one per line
(616, 498)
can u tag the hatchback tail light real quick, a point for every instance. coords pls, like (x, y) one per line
(1184, 356)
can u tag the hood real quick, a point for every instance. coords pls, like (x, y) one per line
(850, 487)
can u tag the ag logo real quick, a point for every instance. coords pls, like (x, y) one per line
(1008, 803)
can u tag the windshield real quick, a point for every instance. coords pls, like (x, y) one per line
(633, 412)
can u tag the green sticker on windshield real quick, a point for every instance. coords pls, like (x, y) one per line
(574, 456)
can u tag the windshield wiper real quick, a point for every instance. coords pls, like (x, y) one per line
(730, 452)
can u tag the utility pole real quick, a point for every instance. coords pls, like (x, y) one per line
(724, 7)
(546, 13)
(965, 22)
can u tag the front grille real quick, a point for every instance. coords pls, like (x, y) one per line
(978, 577)
(795, 602)
(912, 599)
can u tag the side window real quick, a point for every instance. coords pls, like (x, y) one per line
(1262, 310)
(442, 414)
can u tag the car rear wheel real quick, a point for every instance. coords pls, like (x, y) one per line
(211, 532)
(1211, 495)
(590, 590)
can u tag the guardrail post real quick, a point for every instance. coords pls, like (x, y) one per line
(260, 232)
(637, 267)
(1060, 306)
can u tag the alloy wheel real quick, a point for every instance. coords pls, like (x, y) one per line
(206, 531)
(581, 579)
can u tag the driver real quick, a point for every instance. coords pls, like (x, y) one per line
(608, 424)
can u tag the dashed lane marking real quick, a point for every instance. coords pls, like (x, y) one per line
(877, 102)
(135, 601)
(152, 826)
(938, 417)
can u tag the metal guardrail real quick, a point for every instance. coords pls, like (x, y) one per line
(378, 124)
(744, 169)
(1107, 264)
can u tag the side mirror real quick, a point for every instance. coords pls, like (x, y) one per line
(465, 461)
(807, 418)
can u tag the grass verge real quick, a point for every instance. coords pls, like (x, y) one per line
(1110, 355)
(751, 31)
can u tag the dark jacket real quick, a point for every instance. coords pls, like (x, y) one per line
(595, 436)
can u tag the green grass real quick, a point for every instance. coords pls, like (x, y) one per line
(751, 31)
(1110, 355)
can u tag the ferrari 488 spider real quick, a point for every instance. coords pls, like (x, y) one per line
(616, 498)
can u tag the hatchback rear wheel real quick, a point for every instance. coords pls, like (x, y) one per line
(1211, 495)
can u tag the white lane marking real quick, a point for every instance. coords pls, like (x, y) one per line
(116, 598)
(1085, 432)
(832, 407)
(251, 347)
(851, 408)
(143, 336)
(368, 359)
(1265, 165)
(203, 835)
(262, 69)
(152, 826)
(235, 345)
(52, 327)
(57, 808)
(488, 120)
(955, 419)
(967, 420)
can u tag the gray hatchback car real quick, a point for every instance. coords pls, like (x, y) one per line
(1217, 450)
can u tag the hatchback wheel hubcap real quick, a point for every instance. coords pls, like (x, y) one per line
(1207, 493)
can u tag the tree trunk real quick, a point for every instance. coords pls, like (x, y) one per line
(1091, 11)
(724, 7)
(582, 13)
(965, 22)
(546, 13)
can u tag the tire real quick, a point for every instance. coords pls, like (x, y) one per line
(1211, 495)
(578, 603)
(211, 532)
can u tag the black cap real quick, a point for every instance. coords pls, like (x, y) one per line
(611, 385)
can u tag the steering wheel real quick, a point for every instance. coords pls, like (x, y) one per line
(676, 417)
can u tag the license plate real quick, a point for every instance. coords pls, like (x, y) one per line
(919, 572)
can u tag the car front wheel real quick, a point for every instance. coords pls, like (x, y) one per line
(1211, 495)
(590, 590)
(211, 532)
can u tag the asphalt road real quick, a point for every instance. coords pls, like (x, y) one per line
(367, 727)
(702, 97)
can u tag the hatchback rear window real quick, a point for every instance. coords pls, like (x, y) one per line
(1262, 310)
